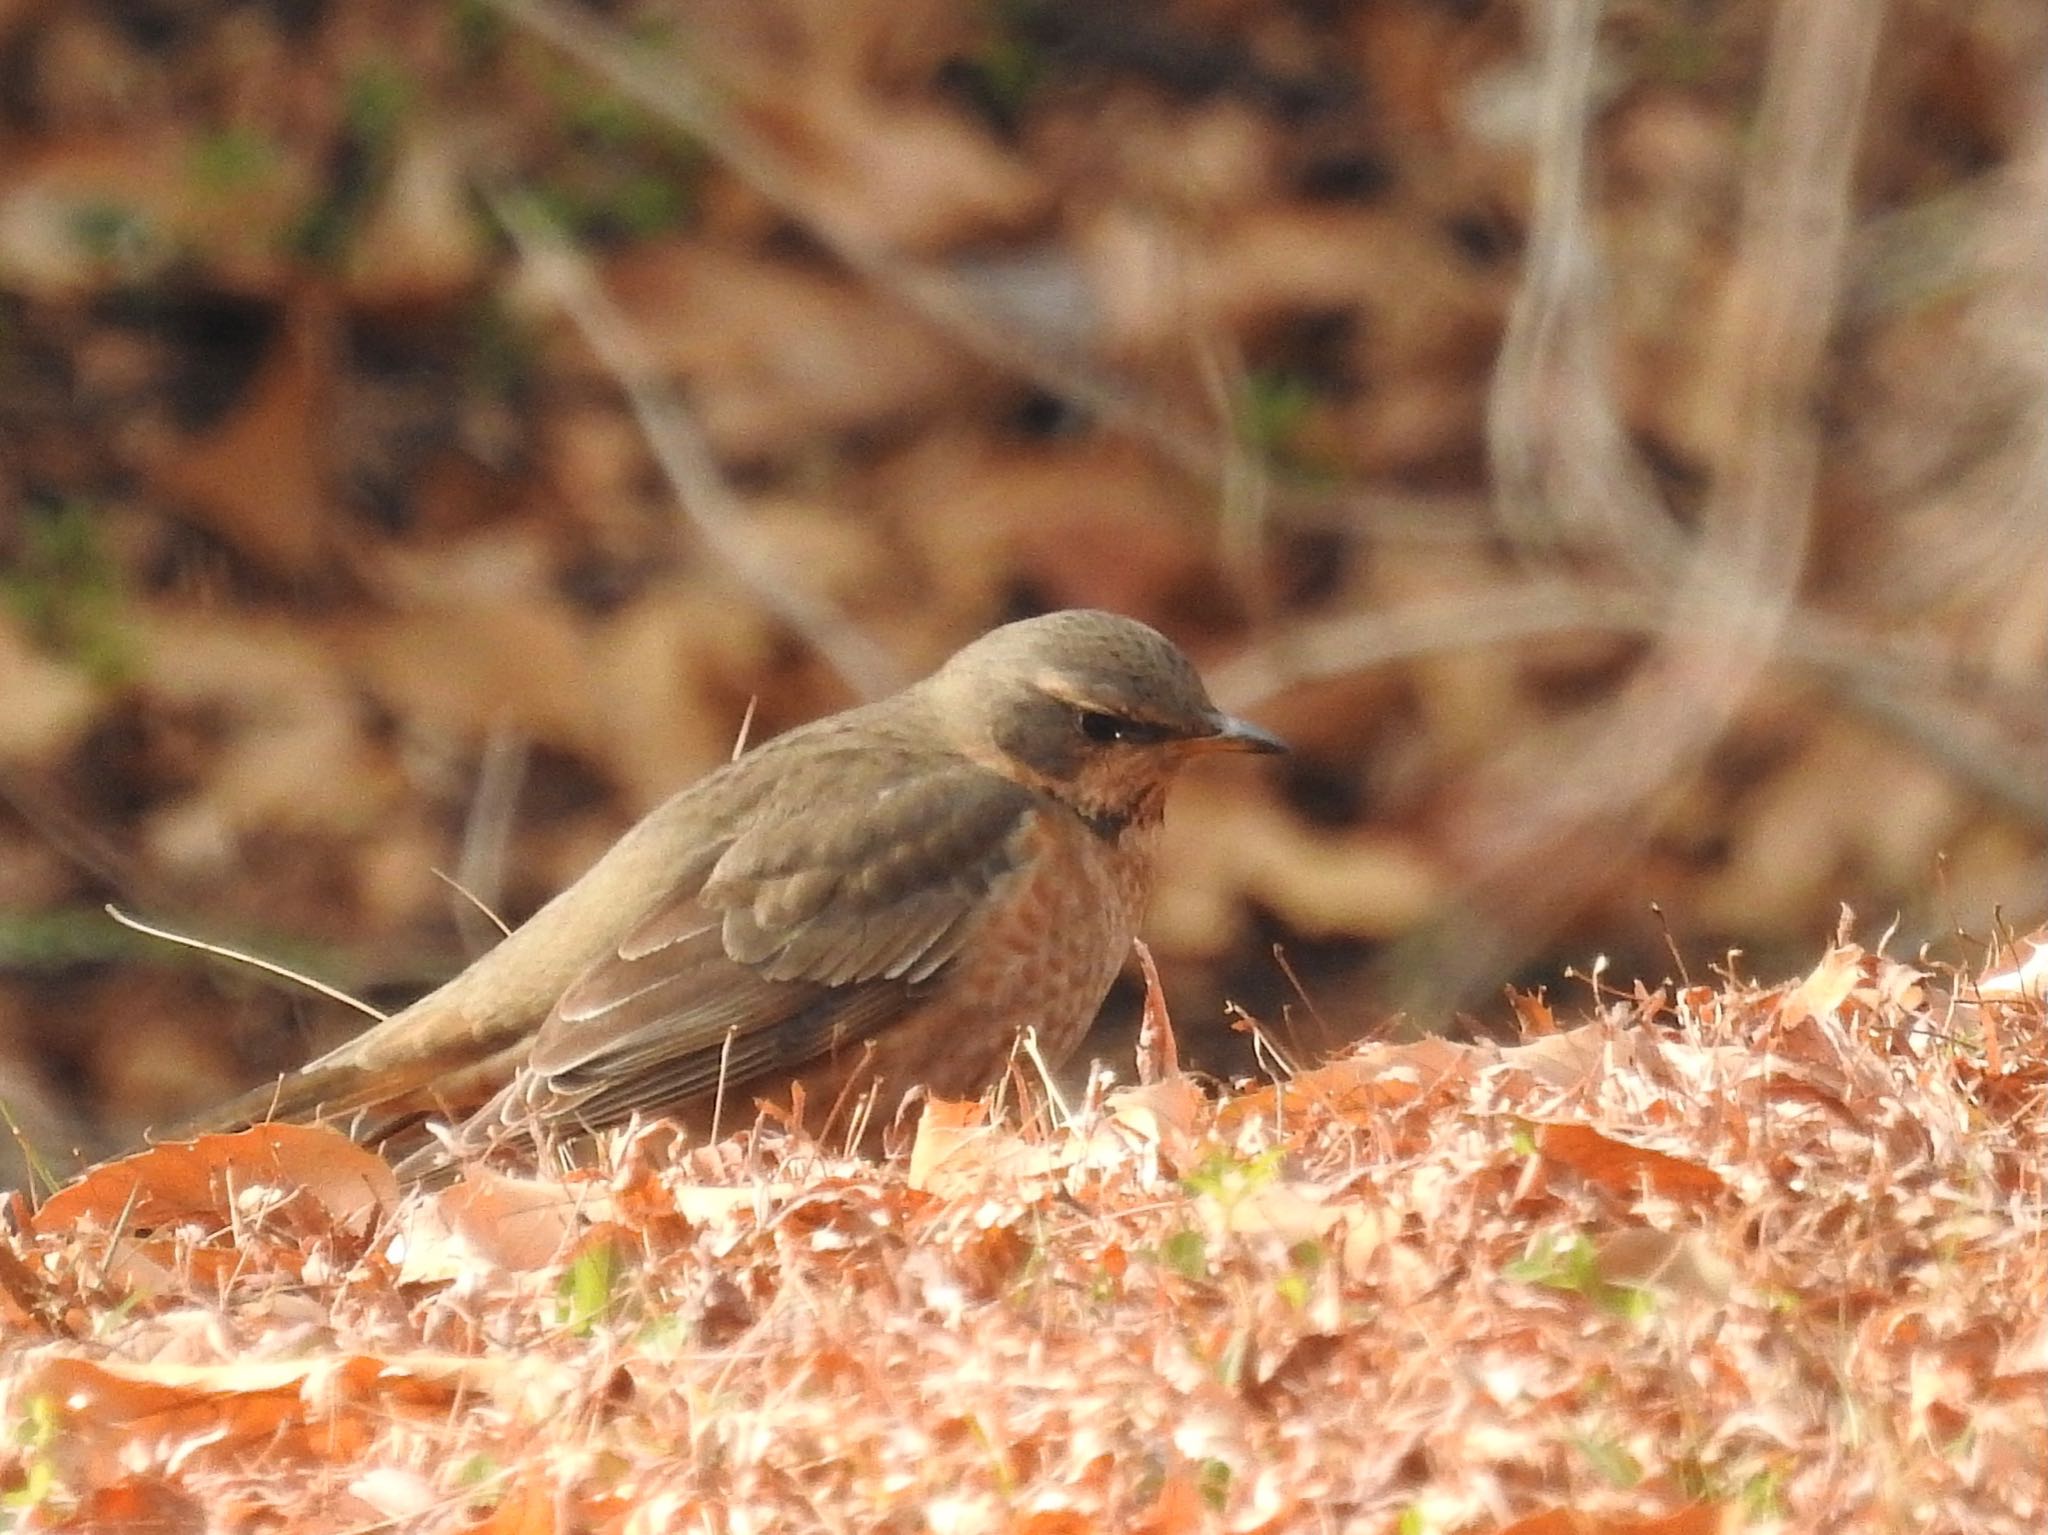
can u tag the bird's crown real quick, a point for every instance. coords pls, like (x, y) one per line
(1091, 660)
(1056, 696)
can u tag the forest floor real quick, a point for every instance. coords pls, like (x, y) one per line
(1712, 1257)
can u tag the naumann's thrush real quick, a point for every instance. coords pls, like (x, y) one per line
(879, 900)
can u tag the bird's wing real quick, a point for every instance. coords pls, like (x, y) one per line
(880, 883)
(836, 906)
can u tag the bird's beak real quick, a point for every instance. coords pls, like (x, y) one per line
(1235, 735)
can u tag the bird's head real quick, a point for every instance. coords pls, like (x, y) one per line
(1095, 709)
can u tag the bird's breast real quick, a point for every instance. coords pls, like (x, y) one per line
(1051, 936)
(1052, 942)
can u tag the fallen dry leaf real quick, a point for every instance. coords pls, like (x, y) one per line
(2025, 981)
(258, 479)
(1694, 1519)
(1620, 1168)
(212, 1181)
(489, 1220)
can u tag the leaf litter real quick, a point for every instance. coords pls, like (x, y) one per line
(1743, 1257)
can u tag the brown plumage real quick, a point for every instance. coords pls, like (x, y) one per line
(881, 899)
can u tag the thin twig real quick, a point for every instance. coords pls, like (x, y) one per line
(1909, 690)
(1527, 829)
(1056, 1102)
(669, 89)
(76, 841)
(685, 457)
(254, 962)
(473, 902)
(487, 833)
(1562, 462)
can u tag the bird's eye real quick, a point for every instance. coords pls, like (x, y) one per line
(1106, 729)
(1101, 728)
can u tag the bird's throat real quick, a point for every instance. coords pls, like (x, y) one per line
(1109, 825)
(1112, 822)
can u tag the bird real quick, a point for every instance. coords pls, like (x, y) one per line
(880, 900)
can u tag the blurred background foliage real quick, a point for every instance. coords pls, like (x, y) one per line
(1608, 438)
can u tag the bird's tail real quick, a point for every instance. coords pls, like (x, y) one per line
(360, 1102)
